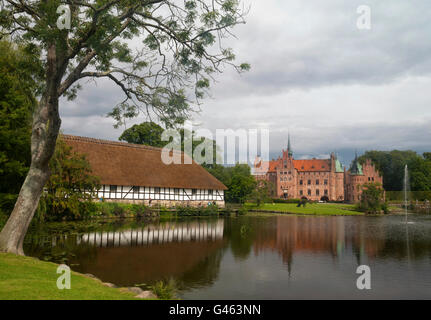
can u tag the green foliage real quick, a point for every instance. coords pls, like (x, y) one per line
(372, 199)
(278, 200)
(182, 211)
(71, 189)
(242, 211)
(19, 76)
(330, 209)
(391, 164)
(262, 192)
(181, 47)
(413, 195)
(146, 133)
(150, 134)
(238, 179)
(165, 290)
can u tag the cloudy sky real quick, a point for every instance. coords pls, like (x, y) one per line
(314, 74)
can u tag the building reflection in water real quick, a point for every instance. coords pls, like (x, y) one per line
(328, 235)
(170, 232)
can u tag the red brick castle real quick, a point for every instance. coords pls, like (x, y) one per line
(316, 179)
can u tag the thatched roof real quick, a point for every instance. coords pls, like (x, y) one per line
(118, 163)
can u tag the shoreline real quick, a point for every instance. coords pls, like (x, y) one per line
(28, 278)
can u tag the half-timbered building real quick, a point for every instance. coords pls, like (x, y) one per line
(136, 174)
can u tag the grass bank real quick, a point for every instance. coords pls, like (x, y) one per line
(323, 209)
(26, 278)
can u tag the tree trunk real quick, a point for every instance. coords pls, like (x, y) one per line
(45, 129)
(46, 126)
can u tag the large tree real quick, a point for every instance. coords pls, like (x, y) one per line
(19, 75)
(150, 134)
(391, 165)
(161, 54)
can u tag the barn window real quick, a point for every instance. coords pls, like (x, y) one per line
(156, 190)
(194, 192)
(113, 188)
(210, 192)
(177, 191)
(136, 189)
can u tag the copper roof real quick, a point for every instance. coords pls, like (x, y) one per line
(124, 164)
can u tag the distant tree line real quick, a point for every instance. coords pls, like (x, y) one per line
(391, 165)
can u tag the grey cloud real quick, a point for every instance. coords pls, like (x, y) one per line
(313, 73)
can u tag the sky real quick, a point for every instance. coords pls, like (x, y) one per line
(315, 74)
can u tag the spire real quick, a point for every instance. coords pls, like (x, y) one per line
(289, 147)
(356, 168)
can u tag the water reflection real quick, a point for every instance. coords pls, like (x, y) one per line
(256, 257)
(170, 232)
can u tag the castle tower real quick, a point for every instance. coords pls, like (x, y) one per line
(289, 147)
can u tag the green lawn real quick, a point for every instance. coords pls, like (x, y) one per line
(311, 208)
(29, 278)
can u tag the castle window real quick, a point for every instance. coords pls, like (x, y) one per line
(326, 192)
(301, 182)
(317, 181)
(302, 167)
(309, 192)
(309, 181)
(301, 193)
(317, 192)
(326, 182)
(372, 178)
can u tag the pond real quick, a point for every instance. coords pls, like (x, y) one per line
(250, 257)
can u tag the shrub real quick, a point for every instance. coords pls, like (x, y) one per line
(242, 211)
(118, 210)
(371, 199)
(165, 290)
(138, 210)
